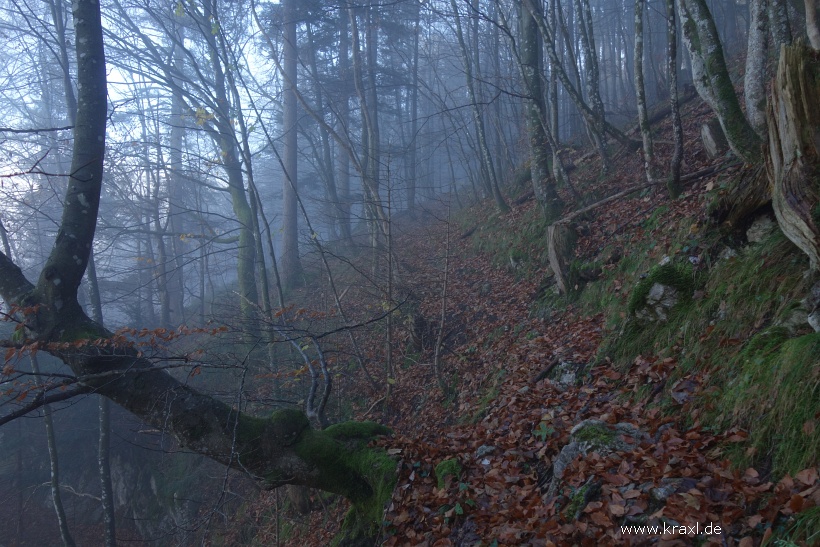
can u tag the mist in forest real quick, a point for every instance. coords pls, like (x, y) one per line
(261, 160)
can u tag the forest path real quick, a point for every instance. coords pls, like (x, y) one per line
(508, 425)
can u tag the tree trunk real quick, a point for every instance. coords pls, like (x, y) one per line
(342, 156)
(104, 451)
(711, 78)
(561, 239)
(104, 461)
(755, 79)
(640, 93)
(485, 157)
(414, 110)
(673, 182)
(794, 148)
(812, 24)
(584, 15)
(779, 21)
(54, 464)
(543, 183)
(291, 265)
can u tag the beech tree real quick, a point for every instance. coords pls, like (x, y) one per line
(711, 78)
(277, 450)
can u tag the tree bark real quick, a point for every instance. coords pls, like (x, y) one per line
(543, 183)
(711, 78)
(561, 240)
(781, 30)
(793, 161)
(291, 265)
(640, 94)
(755, 79)
(673, 182)
(812, 24)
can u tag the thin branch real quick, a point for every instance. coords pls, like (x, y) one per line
(42, 400)
(36, 130)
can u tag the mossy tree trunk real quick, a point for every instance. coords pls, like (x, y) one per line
(531, 63)
(673, 182)
(640, 94)
(278, 450)
(793, 161)
(754, 80)
(711, 78)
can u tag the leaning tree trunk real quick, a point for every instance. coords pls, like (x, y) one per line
(711, 78)
(794, 148)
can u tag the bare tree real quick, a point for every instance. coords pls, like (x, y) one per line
(278, 450)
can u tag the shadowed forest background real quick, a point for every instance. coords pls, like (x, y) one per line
(465, 272)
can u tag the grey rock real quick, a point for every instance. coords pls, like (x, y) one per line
(812, 306)
(671, 486)
(714, 140)
(727, 254)
(483, 450)
(660, 299)
(592, 436)
(761, 228)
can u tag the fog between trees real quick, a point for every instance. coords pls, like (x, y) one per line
(257, 151)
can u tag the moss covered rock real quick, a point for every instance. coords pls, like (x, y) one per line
(593, 436)
(660, 291)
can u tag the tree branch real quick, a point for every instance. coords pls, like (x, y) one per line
(41, 400)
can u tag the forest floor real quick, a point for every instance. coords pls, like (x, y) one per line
(501, 421)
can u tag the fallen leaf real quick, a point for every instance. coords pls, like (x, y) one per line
(807, 476)
(796, 503)
(617, 510)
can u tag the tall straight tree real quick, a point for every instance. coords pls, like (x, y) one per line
(291, 264)
(673, 182)
(755, 78)
(640, 93)
(583, 14)
(531, 61)
(414, 109)
(486, 161)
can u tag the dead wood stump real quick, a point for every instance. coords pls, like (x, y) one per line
(793, 161)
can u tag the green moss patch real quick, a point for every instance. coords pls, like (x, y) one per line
(364, 519)
(447, 468)
(677, 276)
(598, 435)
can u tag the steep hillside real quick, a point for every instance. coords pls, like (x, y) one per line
(676, 386)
